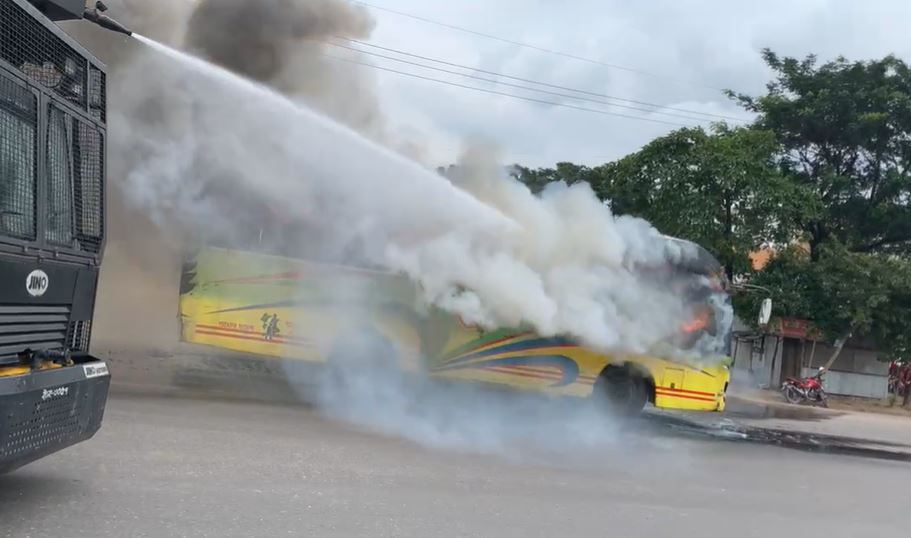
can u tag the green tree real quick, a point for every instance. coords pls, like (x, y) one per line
(721, 189)
(845, 135)
(844, 293)
(827, 163)
(844, 131)
(537, 179)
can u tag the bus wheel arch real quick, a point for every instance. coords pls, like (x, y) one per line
(624, 389)
(363, 345)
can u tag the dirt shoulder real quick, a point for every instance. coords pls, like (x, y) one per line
(865, 425)
(836, 402)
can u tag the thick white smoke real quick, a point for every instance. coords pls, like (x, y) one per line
(575, 268)
(205, 154)
(143, 259)
(561, 262)
(202, 154)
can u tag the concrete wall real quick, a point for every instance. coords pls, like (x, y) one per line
(856, 371)
(758, 361)
(852, 384)
(851, 359)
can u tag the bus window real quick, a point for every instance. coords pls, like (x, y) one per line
(708, 328)
(18, 124)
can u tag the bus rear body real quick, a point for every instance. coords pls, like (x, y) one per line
(292, 309)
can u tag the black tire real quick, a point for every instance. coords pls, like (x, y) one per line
(823, 400)
(622, 391)
(364, 351)
(792, 395)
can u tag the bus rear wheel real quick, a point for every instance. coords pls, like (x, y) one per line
(622, 390)
(360, 353)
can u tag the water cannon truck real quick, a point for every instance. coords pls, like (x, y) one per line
(53, 134)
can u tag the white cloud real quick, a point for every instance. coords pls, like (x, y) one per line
(696, 47)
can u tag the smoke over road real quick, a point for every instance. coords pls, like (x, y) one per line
(199, 152)
(280, 43)
(144, 247)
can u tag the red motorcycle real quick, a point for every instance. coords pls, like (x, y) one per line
(807, 389)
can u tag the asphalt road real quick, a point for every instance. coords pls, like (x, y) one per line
(179, 467)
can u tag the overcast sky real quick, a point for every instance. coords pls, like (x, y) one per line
(691, 48)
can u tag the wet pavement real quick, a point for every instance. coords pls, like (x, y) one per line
(801, 427)
(791, 426)
(749, 409)
(165, 466)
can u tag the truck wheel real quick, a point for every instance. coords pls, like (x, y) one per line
(622, 390)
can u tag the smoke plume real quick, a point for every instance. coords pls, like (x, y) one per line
(278, 42)
(206, 155)
(561, 262)
(282, 43)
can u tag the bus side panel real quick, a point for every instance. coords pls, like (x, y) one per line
(279, 307)
(520, 360)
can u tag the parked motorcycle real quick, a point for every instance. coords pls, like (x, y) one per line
(899, 378)
(807, 389)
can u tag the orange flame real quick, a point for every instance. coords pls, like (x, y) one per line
(700, 322)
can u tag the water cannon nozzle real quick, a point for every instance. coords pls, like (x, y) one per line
(95, 15)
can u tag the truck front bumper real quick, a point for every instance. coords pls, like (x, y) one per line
(45, 411)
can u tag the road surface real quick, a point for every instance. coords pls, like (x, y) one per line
(191, 467)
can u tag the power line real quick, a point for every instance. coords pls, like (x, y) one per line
(655, 108)
(518, 86)
(529, 45)
(504, 94)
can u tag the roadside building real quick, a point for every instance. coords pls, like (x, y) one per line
(791, 348)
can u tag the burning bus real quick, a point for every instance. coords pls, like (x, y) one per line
(347, 316)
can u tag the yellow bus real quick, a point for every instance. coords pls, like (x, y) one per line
(277, 306)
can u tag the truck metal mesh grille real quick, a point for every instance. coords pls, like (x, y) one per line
(44, 57)
(31, 327)
(88, 158)
(97, 94)
(59, 225)
(74, 193)
(18, 163)
(79, 335)
(71, 145)
(52, 421)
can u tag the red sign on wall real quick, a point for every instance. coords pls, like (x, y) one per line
(795, 328)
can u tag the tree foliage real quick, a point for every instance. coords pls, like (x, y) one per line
(826, 164)
(537, 179)
(845, 135)
(720, 189)
(844, 293)
(844, 131)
